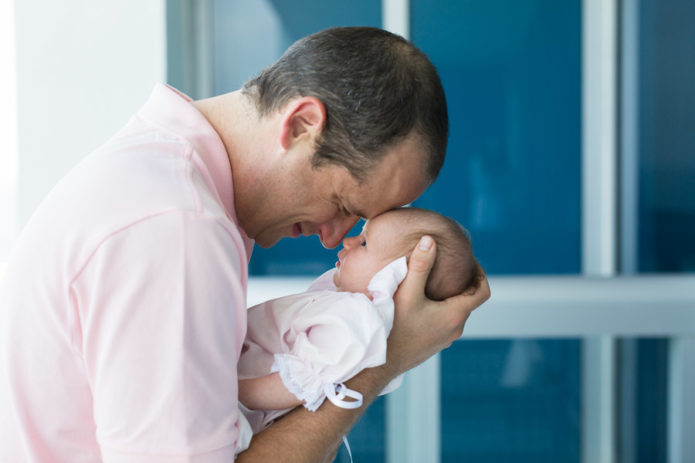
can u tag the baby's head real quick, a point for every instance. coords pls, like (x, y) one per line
(394, 234)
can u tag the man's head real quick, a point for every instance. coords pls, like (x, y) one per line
(377, 89)
(349, 123)
(293, 198)
(394, 234)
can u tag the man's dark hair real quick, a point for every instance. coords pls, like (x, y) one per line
(377, 88)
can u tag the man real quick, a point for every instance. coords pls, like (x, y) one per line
(123, 309)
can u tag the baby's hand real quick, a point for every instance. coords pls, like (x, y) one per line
(266, 393)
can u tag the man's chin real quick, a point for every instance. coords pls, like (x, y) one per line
(265, 244)
(265, 240)
(269, 241)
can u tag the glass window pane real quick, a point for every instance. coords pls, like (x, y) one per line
(643, 400)
(511, 400)
(658, 222)
(249, 36)
(367, 438)
(511, 72)
(666, 135)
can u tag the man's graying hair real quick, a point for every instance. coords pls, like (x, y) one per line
(377, 88)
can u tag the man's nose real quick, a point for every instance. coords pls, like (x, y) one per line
(332, 233)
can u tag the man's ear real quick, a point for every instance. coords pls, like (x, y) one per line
(303, 119)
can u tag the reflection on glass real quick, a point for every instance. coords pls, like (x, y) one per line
(643, 400)
(516, 400)
(666, 135)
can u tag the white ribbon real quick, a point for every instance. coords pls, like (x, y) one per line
(337, 393)
(347, 446)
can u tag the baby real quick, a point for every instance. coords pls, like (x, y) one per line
(300, 349)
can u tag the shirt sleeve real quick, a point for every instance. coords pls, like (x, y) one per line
(338, 335)
(334, 339)
(162, 311)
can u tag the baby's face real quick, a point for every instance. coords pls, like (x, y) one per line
(364, 255)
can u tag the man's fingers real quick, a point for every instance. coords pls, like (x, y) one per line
(480, 283)
(419, 266)
(467, 302)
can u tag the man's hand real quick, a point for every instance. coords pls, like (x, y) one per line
(423, 327)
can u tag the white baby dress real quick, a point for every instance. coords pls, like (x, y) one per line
(317, 340)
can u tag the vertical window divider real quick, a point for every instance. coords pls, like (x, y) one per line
(395, 16)
(413, 422)
(413, 418)
(681, 400)
(190, 46)
(599, 219)
(629, 191)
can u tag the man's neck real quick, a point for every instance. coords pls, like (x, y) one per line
(248, 139)
(232, 117)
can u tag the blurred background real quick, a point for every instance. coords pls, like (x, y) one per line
(571, 159)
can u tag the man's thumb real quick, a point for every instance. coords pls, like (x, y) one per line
(419, 266)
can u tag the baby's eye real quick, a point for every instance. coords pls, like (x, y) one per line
(363, 243)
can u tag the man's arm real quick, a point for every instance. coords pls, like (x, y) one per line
(421, 328)
(304, 436)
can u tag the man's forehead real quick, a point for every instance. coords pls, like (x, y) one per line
(396, 180)
(373, 202)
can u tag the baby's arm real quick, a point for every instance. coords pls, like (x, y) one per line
(266, 393)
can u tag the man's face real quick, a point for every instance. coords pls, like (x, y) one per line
(328, 201)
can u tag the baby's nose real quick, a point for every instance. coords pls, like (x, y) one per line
(349, 242)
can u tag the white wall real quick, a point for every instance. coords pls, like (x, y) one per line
(83, 67)
(8, 129)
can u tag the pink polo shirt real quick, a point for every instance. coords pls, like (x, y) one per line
(123, 307)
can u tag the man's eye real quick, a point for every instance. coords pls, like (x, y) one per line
(342, 210)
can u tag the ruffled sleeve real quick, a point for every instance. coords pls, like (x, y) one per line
(336, 336)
